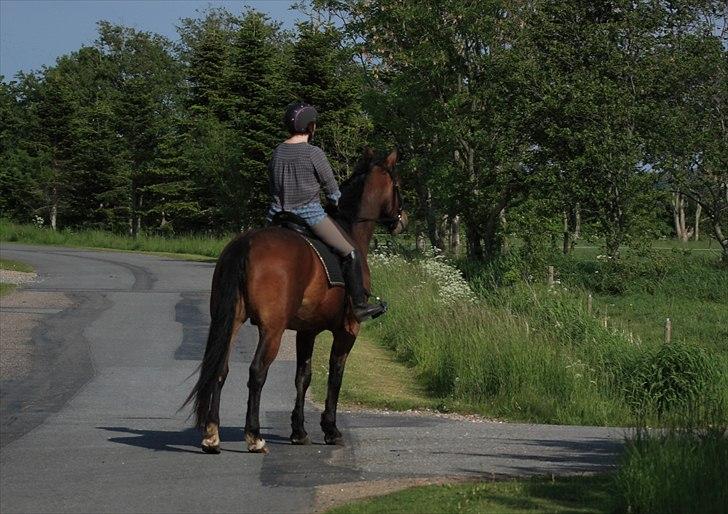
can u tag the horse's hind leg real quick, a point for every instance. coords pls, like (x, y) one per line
(211, 437)
(343, 342)
(268, 343)
(304, 350)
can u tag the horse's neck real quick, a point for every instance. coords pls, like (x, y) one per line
(362, 233)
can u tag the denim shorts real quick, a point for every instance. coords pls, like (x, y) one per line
(313, 213)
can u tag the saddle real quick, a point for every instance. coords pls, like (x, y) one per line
(329, 259)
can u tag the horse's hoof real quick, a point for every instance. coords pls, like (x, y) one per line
(256, 445)
(337, 440)
(211, 449)
(301, 440)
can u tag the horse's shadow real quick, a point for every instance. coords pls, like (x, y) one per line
(181, 440)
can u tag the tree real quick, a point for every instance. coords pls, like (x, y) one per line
(323, 73)
(146, 78)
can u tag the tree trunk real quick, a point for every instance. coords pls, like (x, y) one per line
(676, 215)
(474, 239)
(455, 235)
(696, 230)
(504, 227)
(683, 232)
(571, 236)
(722, 240)
(54, 209)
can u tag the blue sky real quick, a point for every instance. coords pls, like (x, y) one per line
(34, 33)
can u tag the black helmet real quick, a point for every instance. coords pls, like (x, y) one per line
(298, 116)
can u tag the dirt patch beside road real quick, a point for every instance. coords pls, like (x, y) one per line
(20, 312)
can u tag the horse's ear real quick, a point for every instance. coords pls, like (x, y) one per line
(391, 159)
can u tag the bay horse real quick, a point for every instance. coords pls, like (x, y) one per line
(273, 277)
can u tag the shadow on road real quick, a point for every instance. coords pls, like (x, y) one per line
(187, 441)
(551, 456)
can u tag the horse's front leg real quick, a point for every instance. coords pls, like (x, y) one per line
(268, 343)
(304, 350)
(343, 341)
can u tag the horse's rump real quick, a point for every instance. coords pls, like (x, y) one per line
(286, 279)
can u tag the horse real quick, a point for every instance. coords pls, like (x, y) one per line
(273, 277)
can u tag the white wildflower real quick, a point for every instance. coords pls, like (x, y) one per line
(452, 287)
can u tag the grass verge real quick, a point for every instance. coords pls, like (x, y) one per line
(6, 288)
(372, 378)
(195, 246)
(590, 494)
(7, 264)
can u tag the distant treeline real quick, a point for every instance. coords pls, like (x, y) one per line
(544, 120)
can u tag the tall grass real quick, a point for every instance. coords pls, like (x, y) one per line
(209, 246)
(532, 353)
(678, 470)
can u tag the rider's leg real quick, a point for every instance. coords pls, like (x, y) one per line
(330, 233)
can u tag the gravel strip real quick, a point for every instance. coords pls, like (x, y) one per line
(16, 277)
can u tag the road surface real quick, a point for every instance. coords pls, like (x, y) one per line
(91, 424)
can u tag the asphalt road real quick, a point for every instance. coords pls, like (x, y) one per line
(92, 426)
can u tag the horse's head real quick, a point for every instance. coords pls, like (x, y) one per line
(381, 198)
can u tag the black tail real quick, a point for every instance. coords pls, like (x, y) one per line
(228, 283)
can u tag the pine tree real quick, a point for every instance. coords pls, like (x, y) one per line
(324, 74)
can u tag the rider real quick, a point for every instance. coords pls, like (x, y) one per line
(297, 172)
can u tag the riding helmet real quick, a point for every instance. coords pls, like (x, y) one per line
(298, 116)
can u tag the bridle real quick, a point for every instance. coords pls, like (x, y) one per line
(390, 222)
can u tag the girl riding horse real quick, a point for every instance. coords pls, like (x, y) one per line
(273, 277)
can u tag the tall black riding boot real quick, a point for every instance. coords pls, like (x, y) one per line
(355, 286)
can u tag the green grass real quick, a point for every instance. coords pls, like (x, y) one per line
(676, 471)
(7, 264)
(395, 386)
(6, 288)
(207, 246)
(642, 291)
(591, 494)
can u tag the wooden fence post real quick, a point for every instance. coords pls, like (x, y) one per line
(589, 300)
(551, 276)
(668, 331)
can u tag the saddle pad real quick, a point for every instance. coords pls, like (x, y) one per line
(330, 261)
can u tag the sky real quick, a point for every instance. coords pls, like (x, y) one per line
(34, 33)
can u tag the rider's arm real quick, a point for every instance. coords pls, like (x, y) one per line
(325, 175)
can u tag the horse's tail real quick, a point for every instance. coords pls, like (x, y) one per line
(228, 295)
